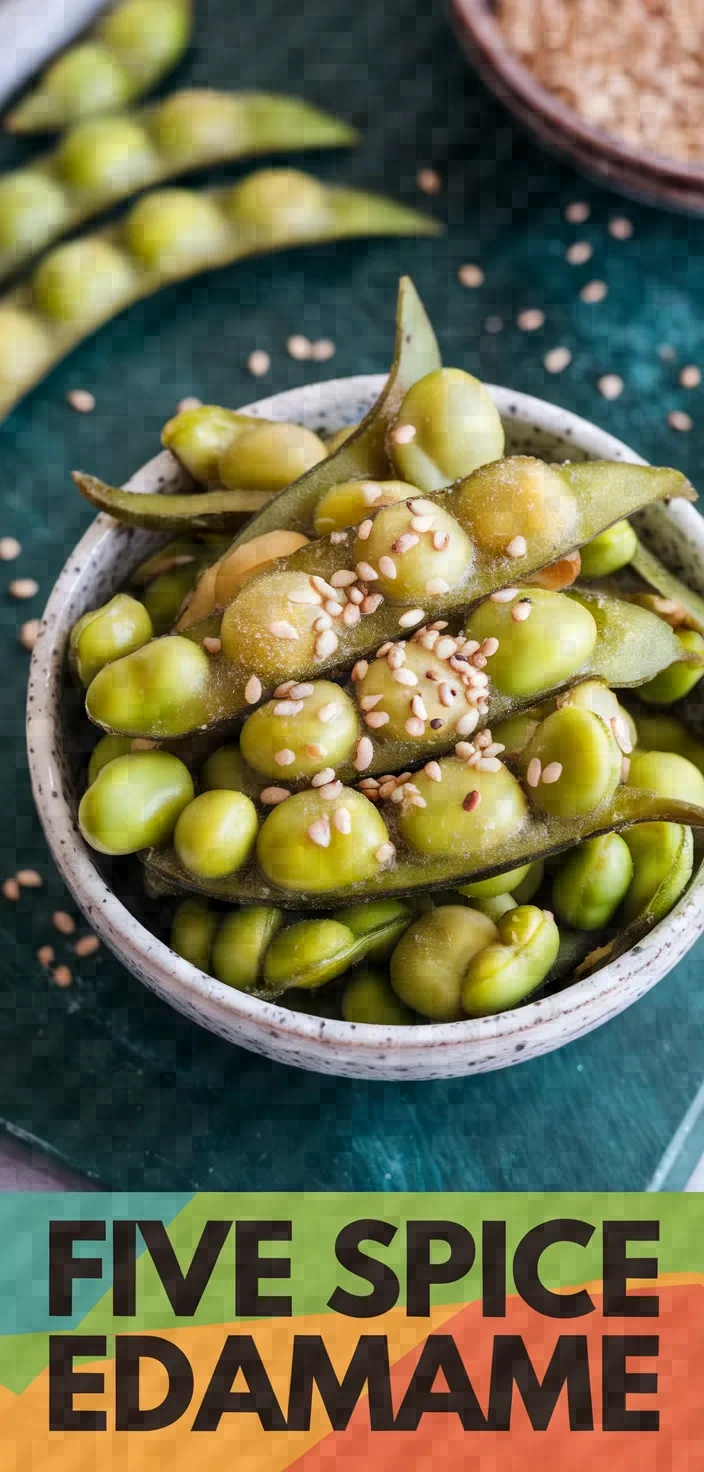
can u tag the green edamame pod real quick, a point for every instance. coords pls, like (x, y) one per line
(610, 551)
(448, 425)
(675, 682)
(589, 887)
(379, 925)
(105, 634)
(430, 962)
(122, 56)
(193, 931)
(662, 855)
(626, 629)
(506, 972)
(369, 998)
(135, 802)
(104, 751)
(241, 944)
(103, 160)
(307, 955)
(170, 236)
(652, 571)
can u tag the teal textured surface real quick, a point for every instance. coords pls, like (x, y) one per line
(103, 1073)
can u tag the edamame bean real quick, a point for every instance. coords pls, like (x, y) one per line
(193, 932)
(198, 437)
(540, 650)
(311, 843)
(484, 889)
(506, 972)
(269, 457)
(107, 633)
(525, 889)
(164, 597)
(494, 905)
(453, 822)
(104, 751)
(308, 954)
(235, 569)
(430, 962)
(609, 551)
(172, 229)
(350, 502)
(456, 428)
(379, 923)
(226, 771)
(665, 733)
(678, 679)
(83, 282)
(591, 882)
(135, 802)
(276, 200)
(667, 774)
(24, 346)
(572, 765)
(591, 695)
(517, 731)
(518, 495)
(33, 210)
(215, 833)
(427, 684)
(287, 739)
(242, 943)
(157, 688)
(408, 560)
(111, 155)
(663, 861)
(269, 624)
(340, 437)
(369, 998)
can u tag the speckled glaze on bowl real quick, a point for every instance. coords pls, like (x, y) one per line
(100, 563)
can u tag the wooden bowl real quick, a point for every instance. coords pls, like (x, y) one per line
(644, 176)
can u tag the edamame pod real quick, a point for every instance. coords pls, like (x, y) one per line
(675, 682)
(104, 160)
(448, 425)
(508, 971)
(379, 924)
(122, 56)
(652, 571)
(662, 855)
(169, 236)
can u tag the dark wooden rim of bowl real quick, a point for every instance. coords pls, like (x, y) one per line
(559, 126)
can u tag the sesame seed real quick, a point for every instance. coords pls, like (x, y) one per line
(625, 768)
(594, 291)
(517, 547)
(142, 743)
(11, 889)
(530, 320)
(519, 613)
(433, 771)
(579, 253)
(321, 779)
(282, 630)
(376, 719)
(493, 324)
(366, 572)
(301, 692)
(504, 595)
(307, 596)
(23, 588)
(551, 773)
(489, 647)
(464, 750)
(445, 647)
(62, 976)
(342, 820)
(81, 400)
(467, 723)
(315, 751)
(321, 623)
(371, 492)
(418, 707)
(441, 540)
(212, 645)
(364, 754)
(322, 350)
(45, 955)
(331, 791)
(621, 733)
(610, 386)
(403, 434)
(419, 507)
(258, 363)
(403, 676)
(319, 831)
(446, 694)
(328, 712)
(413, 616)
(557, 359)
(285, 757)
(189, 402)
(10, 548)
(385, 853)
(472, 800)
(436, 724)
(321, 586)
(333, 608)
(422, 523)
(470, 276)
(369, 701)
(298, 347)
(284, 689)
(360, 669)
(429, 181)
(337, 537)
(440, 623)
(64, 923)
(534, 771)
(29, 879)
(396, 655)
(343, 578)
(372, 602)
(325, 644)
(404, 543)
(288, 708)
(355, 595)
(253, 690)
(620, 228)
(364, 530)
(351, 615)
(691, 376)
(388, 648)
(677, 419)
(87, 946)
(494, 748)
(387, 566)
(483, 740)
(271, 796)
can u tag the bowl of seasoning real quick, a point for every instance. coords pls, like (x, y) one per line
(615, 89)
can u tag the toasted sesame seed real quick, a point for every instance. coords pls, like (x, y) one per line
(467, 723)
(64, 923)
(435, 587)
(396, 655)
(677, 419)
(366, 572)
(360, 669)
(337, 537)
(212, 645)
(87, 946)
(284, 689)
(387, 566)
(404, 543)
(364, 754)
(483, 740)
(372, 602)
(333, 608)
(321, 623)
(298, 347)
(440, 623)
(355, 595)
(411, 617)
(29, 879)
(189, 402)
(404, 676)
(321, 779)
(470, 275)
(625, 768)
(489, 764)
(620, 228)
(11, 889)
(284, 757)
(493, 324)
(385, 853)
(610, 386)
(691, 376)
(551, 773)
(271, 796)
(319, 831)
(441, 540)
(371, 492)
(517, 547)
(519, 613)
(351, 615)
(328, 712)
(388, 647)
(10, 548)
(472, 800)
(534, 771)
(387, 789)
(504, 595)
(331, 791)
(429, 181)
(417, 801)
(418, 707)
(436, 724)
(403, 434)
(419, 507)
(579, 253)
(364, 530)
(343, 578)
(302, 691)
(325, 644)
(143, 743)
(282, 630)
(557, 359)
(23, 588)
(621, 733)
(422, 524)
(369, 701)
(464, 750)
(307, 596)
(81, 399)
(594, 291)
(63, 976)
(530, 320)
(342, 820)
(322, 349)
(258, 363)
(376, 719)
(494, 748)
(45, 955)
(315, 751)
(288, 708)
(253, 690)
(445, 647)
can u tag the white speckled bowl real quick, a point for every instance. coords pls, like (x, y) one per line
(100, 563)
